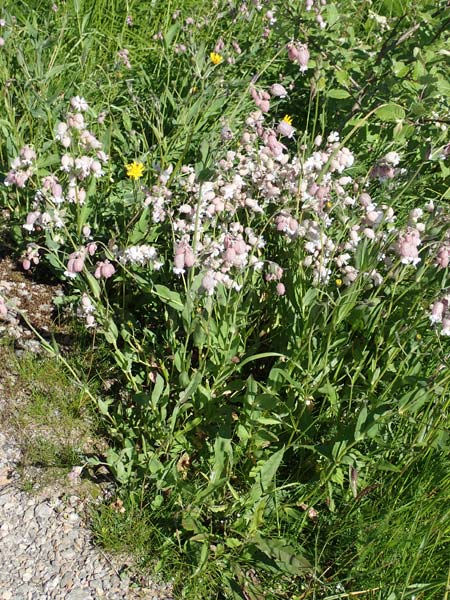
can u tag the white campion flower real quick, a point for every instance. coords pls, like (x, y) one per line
(79, 103)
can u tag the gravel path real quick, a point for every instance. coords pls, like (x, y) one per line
(46, 549)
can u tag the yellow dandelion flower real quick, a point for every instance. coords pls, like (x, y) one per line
(135, 170)
(287, 119)
(338, 282)
(215, 58)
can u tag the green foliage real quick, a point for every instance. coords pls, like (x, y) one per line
(274, 445)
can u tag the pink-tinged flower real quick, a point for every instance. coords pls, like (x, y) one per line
(209, 283)
(75, 120)
(178, 262)
(104, 270)
(437, 311)
(287, 224)
(382, 172)
(365, 199)
(52, 185)
(350, 274)
(31, 256)
(278, 91)
(76, 194)
(31, 219)
(443, 257)
(92, 246)
(17, 178)
(89, 141)
(261, 99)
(274, 146)
(392, 158)
(27, 155)
(445, 326)
(236, 47)
(298, 53)
(83, 166)
(66, 141)
(75, 263)
(61, 130)
(184, 257)
(189, 258)
(124, 57)
(102, 156)
(281, 290)
(220, 45)
(285, 129)
(67, 163)
(407, 247)
(96, 169)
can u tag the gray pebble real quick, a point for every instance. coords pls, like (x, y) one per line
(79, 594)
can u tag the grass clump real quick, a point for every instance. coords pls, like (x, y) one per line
(50, 416)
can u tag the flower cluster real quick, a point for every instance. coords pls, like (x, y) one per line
(298, 53)
(82, 157)
(86, 311)
(440, 313)
(316, 6)
(143, 255)
(21, 168)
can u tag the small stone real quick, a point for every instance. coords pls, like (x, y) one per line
(68, 554)
(66, 581)
(43, 511)
(79, 594)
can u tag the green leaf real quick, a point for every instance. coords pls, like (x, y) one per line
(284, 555)
(110, 331)
(360, 422)
(264, 479)
(93, 284)
(157, 390)
(103, 406)
(190, 390)
(338, 94)
(171, 32)
(173, 299)
(390, 112)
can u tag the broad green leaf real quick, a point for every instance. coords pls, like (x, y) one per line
(172, 298)
(390, 112)
(284, 555)
(338, 94)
